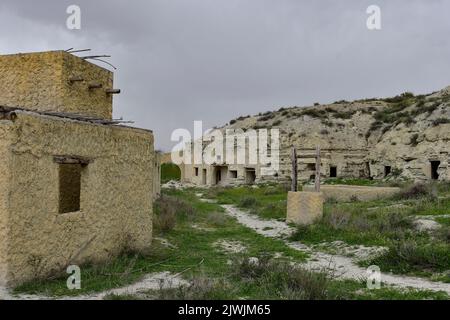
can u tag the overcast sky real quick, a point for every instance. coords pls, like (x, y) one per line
(213, 60)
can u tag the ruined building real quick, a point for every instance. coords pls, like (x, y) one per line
(75, 186)
(402, 137)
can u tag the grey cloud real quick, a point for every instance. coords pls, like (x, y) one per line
(213, 60)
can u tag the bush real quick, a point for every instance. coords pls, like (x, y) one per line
(440, 121)
(314, 113)
(168, 209)
(276, 123)
(199, 288)
(248, 202)
(408, 256)
(283, 280)
(416, 191)
(413, 142)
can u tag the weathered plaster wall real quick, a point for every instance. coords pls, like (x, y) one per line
(6, 138)
(116, 195)
(40, 81)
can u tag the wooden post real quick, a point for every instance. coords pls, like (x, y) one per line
(294, 169)
(317, 179)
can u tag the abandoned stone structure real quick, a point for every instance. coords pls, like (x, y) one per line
(75, 186)
(402, 137)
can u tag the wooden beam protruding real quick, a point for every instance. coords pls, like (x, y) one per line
(75, 79)
(72, 160)
(112, 91)
(94, 85)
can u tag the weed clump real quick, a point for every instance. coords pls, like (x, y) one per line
(415, 191)
(167, 209)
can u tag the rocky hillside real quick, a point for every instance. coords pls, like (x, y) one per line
(397, 130)
(405, 119)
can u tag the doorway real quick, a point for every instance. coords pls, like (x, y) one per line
(387, 170)
(434, 169)
(218, 175)
(250, 176)
(333, 172)
(204, 176)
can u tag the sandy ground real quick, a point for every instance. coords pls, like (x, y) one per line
(343, 267)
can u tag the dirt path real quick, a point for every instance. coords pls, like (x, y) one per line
(154, 281)
(343, 267)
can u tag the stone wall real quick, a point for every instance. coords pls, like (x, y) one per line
(115, 194)
(349, 193)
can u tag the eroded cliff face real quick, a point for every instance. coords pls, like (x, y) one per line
(408, 134)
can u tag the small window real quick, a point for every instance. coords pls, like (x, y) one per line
(333, 172)
(69, 187)
(233, 174)
(311, 166)
(387, 170)
(196, 172)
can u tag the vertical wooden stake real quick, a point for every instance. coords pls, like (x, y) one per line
(317, 179)
(294, 169)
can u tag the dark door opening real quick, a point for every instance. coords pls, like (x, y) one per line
(218, 175)
(387, 170)
(204, 176)
(250, 176)
(434, 169)
(333, 172)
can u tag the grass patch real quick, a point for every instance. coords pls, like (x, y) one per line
(412, 257)
(192, 247)
(170, 171)
(268, 202)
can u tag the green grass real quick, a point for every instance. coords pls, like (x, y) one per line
(194, 250)
(268, 202)
(444, 221)
(372, 223)
(170, 171)
(215, 274)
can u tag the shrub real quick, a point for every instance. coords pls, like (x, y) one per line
(276, 123)
(199, 288)
(247, 202)
(344, 114)
(285, 280)
(217, 219)
(413, 142)
(408, 256)
(400, 98)
(440, 121)
(314, 113)
(168, 209)
(165, 218)
(416, 191)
